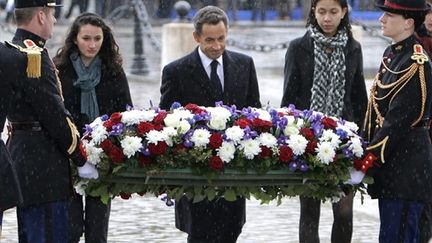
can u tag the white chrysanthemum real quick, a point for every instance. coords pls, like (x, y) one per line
(325, 152)
(331, 137)
(169, 133)
(200, 137)
(356, 147)
(267, 139)
(250, 147)
(154, 136)
(263, 114)
(133, 117)
(131, 145)
(298, 144)
(99, 134)
(93, 153)
(184, 127)
(80, 187)
(97, 122)
(226, 151)
(234, 133)
(350, 127)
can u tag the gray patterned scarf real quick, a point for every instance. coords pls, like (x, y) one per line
(88, 78)
(328, 89)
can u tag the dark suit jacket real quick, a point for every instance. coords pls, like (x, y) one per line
(9, 190)
(185, 81)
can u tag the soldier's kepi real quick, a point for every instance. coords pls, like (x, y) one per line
(36, 3)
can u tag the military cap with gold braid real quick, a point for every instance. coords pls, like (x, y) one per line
(36, 3)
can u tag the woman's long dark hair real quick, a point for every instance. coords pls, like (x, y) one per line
(345, 22)
(109, 51)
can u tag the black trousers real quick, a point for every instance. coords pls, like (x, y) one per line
(91, 219)
(310, 210)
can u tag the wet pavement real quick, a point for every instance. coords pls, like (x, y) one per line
(147, 219)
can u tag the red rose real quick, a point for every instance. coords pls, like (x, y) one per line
(262, 125)
(195, 109)
(124, 195)
(285, 154)
(106, 145)
(159, 118)
(358, 163)
(179, 148)
(144, 161)
(144, 127)
(116, 155)
(141, 193)
(116, 117)
(158, 127)
(83, 151)
(157, 149)
(266, 152)
(280, 114)
(216, 163)
(307, 133)
(311, 146)
(328, 123)
(243, 123)
(108, 124)
(215, 140)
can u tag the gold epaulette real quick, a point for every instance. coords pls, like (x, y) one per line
(419, 56)
(34, 54)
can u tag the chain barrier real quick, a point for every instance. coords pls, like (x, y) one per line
(257, 47)
(143, 17)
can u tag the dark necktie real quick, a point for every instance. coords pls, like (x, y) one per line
(214, 78)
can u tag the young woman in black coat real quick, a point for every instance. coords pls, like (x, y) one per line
(93, 84)
(324, 72)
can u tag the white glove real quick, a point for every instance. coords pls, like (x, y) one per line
(88, 171)
(356, 176)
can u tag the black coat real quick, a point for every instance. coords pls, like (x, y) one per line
(404, 147)
(10, 192)
(298, 78)
(185, 81)
(43, 137)
(112, 94)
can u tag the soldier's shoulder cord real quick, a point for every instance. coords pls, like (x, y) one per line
(33, 53)
(418, 55)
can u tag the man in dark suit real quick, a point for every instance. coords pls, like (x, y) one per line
(207, 75)
(43, 137)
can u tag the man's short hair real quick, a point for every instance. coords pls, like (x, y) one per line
(209, 15)
(24, 15)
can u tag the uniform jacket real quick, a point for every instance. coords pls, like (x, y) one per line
(40, 152)
(112, 94)
(185, 81)
(10, 192)
(298, 78)
(401, 142)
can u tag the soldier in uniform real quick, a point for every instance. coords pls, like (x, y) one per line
(399, 153)
(10, 192)
(43, 136)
